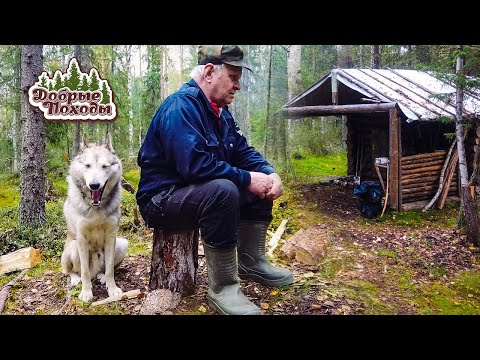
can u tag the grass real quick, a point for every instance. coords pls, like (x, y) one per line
(460, 296)
(316, 167)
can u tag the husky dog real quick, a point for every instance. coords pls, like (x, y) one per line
(92, 214)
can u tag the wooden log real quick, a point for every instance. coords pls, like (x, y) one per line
(307, 247)
(426, 179)
(421, 183)
(448, 159)
(420, 175)
(423, 161)
(18, 260)
(452, 166)
(174, 260)
(422, 169)
(420, 189)
(306, 111)
(422, 164)
(425, 155)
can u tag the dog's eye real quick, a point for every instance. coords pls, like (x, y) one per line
(87, 166)
(105, 166)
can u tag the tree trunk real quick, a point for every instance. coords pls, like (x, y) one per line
(77, 125)
(376, 56)
(130, 102)
(469, 204)
(31, 211)
(265, 142)
(16, 122)
(174, 261)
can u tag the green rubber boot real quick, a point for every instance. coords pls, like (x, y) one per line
(224, 292)
(252, 262)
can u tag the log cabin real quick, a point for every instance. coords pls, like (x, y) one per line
(404, 116)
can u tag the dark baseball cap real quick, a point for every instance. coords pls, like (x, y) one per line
(221, 54)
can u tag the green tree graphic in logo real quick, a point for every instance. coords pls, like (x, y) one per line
(74, 95)
(74, 78)
(83, 83)
(43, 81)
(94, 84)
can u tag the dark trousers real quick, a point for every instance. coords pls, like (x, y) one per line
(215, 207)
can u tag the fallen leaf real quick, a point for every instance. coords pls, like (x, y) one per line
(202, 309)
(264, 305)
(274, 293)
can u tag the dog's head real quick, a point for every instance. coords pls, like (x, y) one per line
(97, 167)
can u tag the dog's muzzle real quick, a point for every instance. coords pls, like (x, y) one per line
(96, 194)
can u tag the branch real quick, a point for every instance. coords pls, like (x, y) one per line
(123, 296)
(6, 289)
(273, 243)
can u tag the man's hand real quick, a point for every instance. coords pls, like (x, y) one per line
(277, 188)
(260, 184)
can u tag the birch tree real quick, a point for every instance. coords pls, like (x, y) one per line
(469, 206)
(31, 210)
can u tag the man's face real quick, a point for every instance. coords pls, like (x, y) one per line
(226, 82)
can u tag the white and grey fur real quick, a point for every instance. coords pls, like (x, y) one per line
(92, 248)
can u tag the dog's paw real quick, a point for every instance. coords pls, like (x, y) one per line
(86, 295)
(101, 278)
(115, 290)
(75, 279)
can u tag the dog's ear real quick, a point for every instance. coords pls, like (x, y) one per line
(108, 143)
(83, 143)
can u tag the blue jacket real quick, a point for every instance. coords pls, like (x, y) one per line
(184, 145)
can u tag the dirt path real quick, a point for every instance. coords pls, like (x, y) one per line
(370, 268)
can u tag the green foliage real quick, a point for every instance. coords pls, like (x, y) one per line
(316, 166)
(417, 218)
(10, 194)
(460, 298)
(132, 176)
(319, 136)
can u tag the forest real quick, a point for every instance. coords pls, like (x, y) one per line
(140, 78)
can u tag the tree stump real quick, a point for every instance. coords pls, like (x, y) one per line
(174, 260)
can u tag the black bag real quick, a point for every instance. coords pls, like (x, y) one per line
(370, 196)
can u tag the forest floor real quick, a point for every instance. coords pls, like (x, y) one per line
(379, 266)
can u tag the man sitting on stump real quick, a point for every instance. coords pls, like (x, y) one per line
(197, 171)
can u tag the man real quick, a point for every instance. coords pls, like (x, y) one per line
(197, 170)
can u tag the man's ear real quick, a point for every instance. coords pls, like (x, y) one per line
(208, 71)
